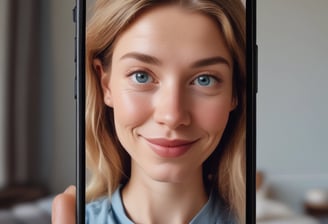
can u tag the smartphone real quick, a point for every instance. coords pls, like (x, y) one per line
(165, 103)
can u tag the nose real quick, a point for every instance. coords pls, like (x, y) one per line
(171, 107)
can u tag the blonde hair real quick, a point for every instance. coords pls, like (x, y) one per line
(107, 160)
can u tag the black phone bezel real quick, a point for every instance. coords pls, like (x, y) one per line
(80, 18)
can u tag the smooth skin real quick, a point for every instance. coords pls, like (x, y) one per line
(63, 207)
(170, 79)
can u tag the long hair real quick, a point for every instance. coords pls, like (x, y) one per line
(109, 163)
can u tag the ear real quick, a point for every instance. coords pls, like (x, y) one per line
(104, 81)
(234, 103)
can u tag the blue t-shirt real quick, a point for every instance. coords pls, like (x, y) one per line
(106, 211)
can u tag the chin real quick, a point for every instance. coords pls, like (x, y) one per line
(172, 175)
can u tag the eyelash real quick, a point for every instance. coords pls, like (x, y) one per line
(134, 77)
(212, 78)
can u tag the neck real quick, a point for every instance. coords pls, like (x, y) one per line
(150, 201)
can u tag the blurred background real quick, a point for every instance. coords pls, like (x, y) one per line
(37, 109)
(292, 109)
(37, 106)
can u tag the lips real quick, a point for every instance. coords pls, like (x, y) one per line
(170, 148)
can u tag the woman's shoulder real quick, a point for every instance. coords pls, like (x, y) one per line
(99, 205)
(215, 211)
(99, 211)
(106, 210)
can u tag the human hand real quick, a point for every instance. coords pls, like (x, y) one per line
(63, 207)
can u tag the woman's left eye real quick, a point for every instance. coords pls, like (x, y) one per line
(205, 80)
(141, 77)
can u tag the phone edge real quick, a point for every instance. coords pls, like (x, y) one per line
(80, 110)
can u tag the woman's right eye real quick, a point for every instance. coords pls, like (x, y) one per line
(141, 77)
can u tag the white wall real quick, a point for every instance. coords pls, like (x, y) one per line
(293, 96)
(3, 79)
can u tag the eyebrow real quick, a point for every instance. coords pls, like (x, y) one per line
(142, 57)
(153, 60)
(211, 61)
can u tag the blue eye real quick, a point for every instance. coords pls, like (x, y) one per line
(204, 80)
(141, 77)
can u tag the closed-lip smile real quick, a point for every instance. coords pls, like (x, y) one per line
(170, 148)
(169, 143)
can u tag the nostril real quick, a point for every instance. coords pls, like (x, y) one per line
(171, 106)
(172, 117)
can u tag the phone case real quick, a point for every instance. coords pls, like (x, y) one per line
(80, 17)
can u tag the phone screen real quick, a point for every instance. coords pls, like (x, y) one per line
(166, 111)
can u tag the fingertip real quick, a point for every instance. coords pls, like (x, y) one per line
(70, 190)
(63, 207)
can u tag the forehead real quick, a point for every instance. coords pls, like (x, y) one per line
(174, 31)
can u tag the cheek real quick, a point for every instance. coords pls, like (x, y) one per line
(212, 116)
(130, 109)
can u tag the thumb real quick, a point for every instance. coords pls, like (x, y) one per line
(71, 190)
(63, 207)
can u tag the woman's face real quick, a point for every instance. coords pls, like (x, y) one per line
(170, 87)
